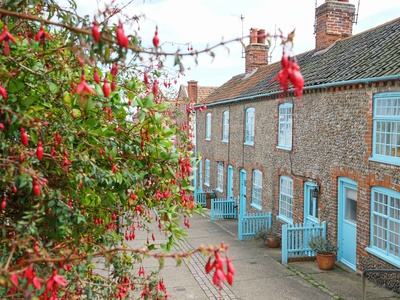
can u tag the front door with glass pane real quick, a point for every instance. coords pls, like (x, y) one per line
(310, 205)
(242, 200)
(230, 182)
(347, 225)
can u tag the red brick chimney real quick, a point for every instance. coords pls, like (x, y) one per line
(257, 50)
(333, 20)
(192, 91)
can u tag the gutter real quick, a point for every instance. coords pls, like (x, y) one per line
(325, 85)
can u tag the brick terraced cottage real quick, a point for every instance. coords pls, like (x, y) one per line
(343, 142)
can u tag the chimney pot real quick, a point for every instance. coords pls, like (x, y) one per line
(256, 51)
(261, 36)
(192, 90)
(253, 35)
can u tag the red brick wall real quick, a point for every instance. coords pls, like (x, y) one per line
(334, 20)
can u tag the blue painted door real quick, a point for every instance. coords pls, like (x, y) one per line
(200, 175)
(230, 182)
(347, 222)
(242, 192)
(310, 205)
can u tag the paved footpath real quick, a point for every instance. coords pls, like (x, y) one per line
(259, 273)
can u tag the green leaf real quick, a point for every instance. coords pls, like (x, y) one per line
(28, 101)
(15, 86)
(53, 88)
(91, 123)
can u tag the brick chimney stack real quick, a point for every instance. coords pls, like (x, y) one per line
(192, 91)
(334, 20)
(257, 50)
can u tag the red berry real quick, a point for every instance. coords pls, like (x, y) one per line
(39, 151)
(24, 137)
(96, 76)
(156, 40)
(106, 88)
(36, 188)
(95, 31)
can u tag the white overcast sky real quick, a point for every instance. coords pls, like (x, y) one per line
(207, 22)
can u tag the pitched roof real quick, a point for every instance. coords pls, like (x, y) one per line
(202, 92)
(371, 54)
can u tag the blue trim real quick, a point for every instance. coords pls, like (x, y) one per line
(387, 117)
(284, 148)
(249, 139)
(285, 126)
(281, 216)
(284, 219)
(195, 183)
(308, 186)
(208, 126)
(318, 86)
(207, 172)
(254, 203)
(378, 253)
(385, 159)
(256, 206)
(345, 182)
(225, 114)
(392, 259)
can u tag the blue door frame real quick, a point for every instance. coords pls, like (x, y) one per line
(200, 175)
(242, 199)
(230, 182)
(310, 205)
(347, 221)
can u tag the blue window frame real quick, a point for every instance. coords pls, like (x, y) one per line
(386, 128)
(208, 126)
(207, 172)
(385, 225)
(249, 130)
(220, 177)
(225, 126)
(256, 199)
(285, 126)
(286, 199)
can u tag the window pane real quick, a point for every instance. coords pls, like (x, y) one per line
(285, 125)
(386, 137)
(286, 198)
(386, 221)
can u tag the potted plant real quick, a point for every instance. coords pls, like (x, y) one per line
(209, 195)
(273, 238)
(270, 236)
(325, 251)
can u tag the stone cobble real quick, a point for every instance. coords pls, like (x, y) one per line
(196, 265)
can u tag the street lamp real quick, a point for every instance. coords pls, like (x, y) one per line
(315, 192)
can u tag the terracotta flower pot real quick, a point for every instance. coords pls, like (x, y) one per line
(273, 241)
(326, 261)
(208, 202)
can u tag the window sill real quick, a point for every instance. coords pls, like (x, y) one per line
(207, 184)
(219, 190)
(386, 160)
(249, 143)
(378, 253)
(256, 206)
(284, 148)
(225, 141)
(285, 219)
(208, 139)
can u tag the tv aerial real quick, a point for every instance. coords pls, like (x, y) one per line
(241, 17)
